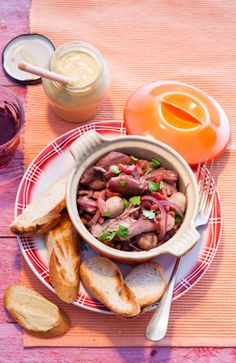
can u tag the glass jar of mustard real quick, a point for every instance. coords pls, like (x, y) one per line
(89, 77)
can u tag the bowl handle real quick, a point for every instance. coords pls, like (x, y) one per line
(185, 242)
(85, 145)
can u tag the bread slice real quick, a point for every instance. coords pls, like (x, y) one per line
(37, 315)
(103, 279)
(43, 213)
(147, 282)
(64, 258)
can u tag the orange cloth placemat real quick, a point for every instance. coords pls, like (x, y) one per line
(143, 42)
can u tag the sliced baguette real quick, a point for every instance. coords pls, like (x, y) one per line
(64, 258)
(103, 279)
(43, 213)
(37, 315)
(147, 282)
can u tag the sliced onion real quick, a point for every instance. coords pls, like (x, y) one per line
(86, 203)
(172, 205)
(163, 221)
(163, 217)
(164, 202)
(146, 204)
(150, 199)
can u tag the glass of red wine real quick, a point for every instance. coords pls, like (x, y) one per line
(11, 122)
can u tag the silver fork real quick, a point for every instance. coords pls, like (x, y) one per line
(157, 327)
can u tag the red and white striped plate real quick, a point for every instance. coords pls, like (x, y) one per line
(55, 162)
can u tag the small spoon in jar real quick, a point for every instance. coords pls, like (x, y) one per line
(44, 73)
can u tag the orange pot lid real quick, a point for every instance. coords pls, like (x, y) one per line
(180, 115)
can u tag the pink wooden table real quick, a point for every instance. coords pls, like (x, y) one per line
(14, 21)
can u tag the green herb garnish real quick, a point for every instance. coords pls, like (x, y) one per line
(149, 171)
(148, 214)
(135, 200)
(126, 203)
(162, 185)
(106, 214)
(154, 187)
(123, 183)
(115, 169)
(106, 235)
(155, 163)
(122, 231)
(133, 158)
(178, 218)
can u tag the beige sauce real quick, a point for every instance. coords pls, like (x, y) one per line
(81, 68)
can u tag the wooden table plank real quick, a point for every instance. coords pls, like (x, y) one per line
(13, 21)
(9, 271)
(15, 354)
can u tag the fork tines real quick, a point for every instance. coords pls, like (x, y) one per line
(207, 186)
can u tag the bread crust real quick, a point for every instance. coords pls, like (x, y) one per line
(158, 287)
(64, 259)
(63, 322)
(121, 290)
(40, 227)
(28, 224)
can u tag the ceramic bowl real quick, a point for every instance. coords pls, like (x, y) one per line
(91, 147)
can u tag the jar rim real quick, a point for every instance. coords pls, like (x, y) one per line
(92, 51)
